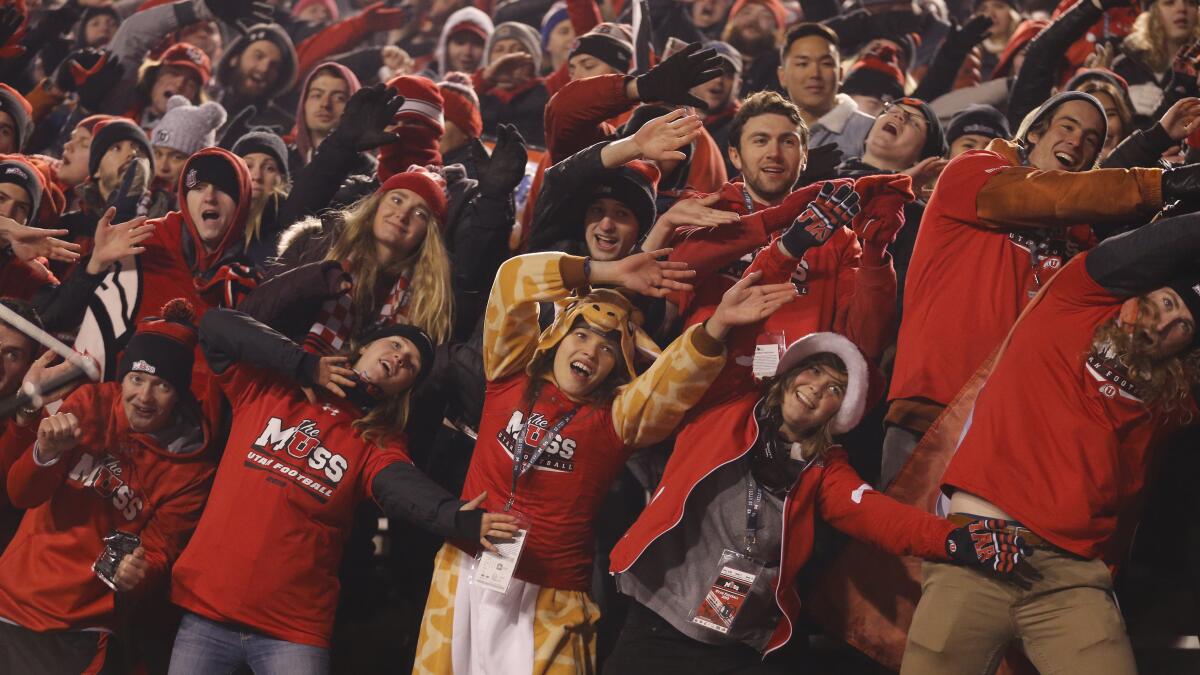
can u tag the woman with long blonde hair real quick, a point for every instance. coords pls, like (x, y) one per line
(267, 158)
(1147, 52)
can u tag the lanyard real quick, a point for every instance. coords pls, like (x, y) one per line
(521, 468)
(753, 506)
(746, 201)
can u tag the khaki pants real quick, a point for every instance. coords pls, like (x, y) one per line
(1068, 622)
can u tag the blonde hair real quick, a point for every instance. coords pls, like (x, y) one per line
(257, 206)
(776, 389)
(386, 420)
(431, 307)
(1147, 42)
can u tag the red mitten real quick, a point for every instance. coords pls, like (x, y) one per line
(882, 215)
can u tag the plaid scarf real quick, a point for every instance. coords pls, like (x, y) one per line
(331, 332)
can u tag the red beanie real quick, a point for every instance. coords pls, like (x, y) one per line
(189, 57)
(428, 186)
(89, 123)
(774, 6)
(416, 143)
(329, 5)
(462, 104)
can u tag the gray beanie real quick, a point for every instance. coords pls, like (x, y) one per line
(527, 36)
(188, 128)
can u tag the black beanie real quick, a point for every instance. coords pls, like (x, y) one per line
(215, 170)
(413, 334)
(266, 143)
(978, 119)
(633, 189)
(164, 347)
(110, 132)
(608, 49)
(25, 176)
(1188, 289)
(88, 14)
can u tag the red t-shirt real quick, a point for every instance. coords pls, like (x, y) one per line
(1059, 438)
(266, 552)
(966, 285)
(562, 492)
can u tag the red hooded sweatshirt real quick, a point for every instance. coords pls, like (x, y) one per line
(152, 485)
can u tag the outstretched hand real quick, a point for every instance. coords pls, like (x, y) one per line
(494, 525)
(369, 112)
(695, 212)
(748, 302)
(644, 273)
(334, 373)
(662, 137)
(672, 80)
(502, 171)
(34, 242)
(509, 71)
(113, 242)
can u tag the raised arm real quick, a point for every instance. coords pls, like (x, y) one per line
(1146, 258)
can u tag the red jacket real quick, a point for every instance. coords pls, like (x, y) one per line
(115, 479)
(836, 292)
(829, 488)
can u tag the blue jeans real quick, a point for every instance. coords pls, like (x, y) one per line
(204, 647)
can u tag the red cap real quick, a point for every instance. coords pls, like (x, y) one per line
(89, 123)
(775, 7)
(422, 100)
(428, 185)
(462, 104)
(329, 5)
(184, 55)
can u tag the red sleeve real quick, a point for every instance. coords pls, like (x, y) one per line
(14, 440)
(852, 506)
(378, 459)
(30, 485)
(242, 382)
(178, 505)
(961, 182)
(558, 79)
(707, 172)
(584, 15)
(866, 300)
(480, 85)
(344, 35)
(575, 115)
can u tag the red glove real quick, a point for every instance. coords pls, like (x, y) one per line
(882, 214)
(382, 17)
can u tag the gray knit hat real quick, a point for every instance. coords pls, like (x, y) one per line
(527, 36)
(187, 128)
(264, 142)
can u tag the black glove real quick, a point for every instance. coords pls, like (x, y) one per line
(1182, 183)
(91, 74)
(501, 173)
(987, 544)
(368, 112)
(672, 80)
(834, 208)
(239, 14)
(237, 127)
(961, 39)
(822, 164)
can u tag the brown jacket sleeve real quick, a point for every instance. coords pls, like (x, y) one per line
(1024, 197)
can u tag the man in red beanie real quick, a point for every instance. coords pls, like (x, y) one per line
(464, 125)
(754, 28)
(117, 456)
(183, 69)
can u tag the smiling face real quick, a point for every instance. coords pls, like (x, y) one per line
(1072, 140)
(73, 169)
(464, 52)
(584, 360)
(752, 30)
(390, 363)
(212, 212)
(148, 401)
(257, 68)
(401, 221)
(610, 229)
(811, 73)
(173, 80)
(770, 155)
(897, 136)
(1178, 18)
(812, 395)
(1165, 326)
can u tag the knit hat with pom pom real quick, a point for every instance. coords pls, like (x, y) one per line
(164, 346)
(187, 128)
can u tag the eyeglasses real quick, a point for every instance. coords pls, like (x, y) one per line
(916, 119)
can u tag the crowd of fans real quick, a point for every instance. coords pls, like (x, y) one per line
(565, 337)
